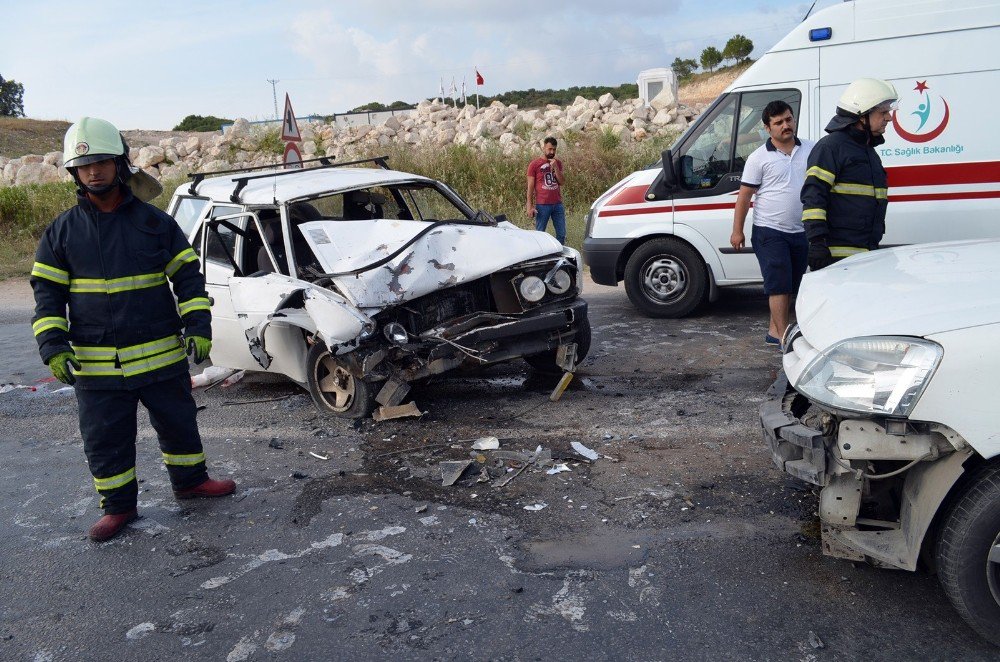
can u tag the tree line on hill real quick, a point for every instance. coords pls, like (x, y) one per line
(737, 49)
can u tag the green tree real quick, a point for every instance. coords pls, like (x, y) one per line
(11, 98)
(738, 48)
(710, 58)
(199, 123)
(684, 67)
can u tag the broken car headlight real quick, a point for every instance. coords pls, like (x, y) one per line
(395, 333)
(559, 282)
(532, 289)
(876, 375)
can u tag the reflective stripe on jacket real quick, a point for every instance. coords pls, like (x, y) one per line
(845, 194)
(102, 284)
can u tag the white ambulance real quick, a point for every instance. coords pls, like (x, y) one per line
(665, 230)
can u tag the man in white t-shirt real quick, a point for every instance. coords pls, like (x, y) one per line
(773, 177)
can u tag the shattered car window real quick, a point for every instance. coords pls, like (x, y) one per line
(422, 202)
(429, 204)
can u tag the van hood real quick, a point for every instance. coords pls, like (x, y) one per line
(447, 255)
(916, 290)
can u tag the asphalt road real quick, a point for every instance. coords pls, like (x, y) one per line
(681, 542)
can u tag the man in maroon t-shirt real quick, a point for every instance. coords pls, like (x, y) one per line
(545, 177)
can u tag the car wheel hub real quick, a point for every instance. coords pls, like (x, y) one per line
(993, 569)
(338, 384)
(664, 279)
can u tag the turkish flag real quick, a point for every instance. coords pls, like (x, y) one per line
(479, 78)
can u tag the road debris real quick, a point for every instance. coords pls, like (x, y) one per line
(7, 388)
(558, 469)
(210, 375)
(486, 444)
(536, 506)
(561, 387)
(815, 641)
(318, 456)
(385, 413)
(584, 451)
(451, 471)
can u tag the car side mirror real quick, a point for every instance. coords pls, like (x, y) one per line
(666, 182)
(669, 174)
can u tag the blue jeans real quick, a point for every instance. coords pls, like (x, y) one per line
(558, 215)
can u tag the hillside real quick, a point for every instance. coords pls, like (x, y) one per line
(20, 136)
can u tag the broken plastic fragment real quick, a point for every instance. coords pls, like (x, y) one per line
(486, 444)
(536, 506)
(558, 469)
(584, 451)
(399, 411)
(452, 471)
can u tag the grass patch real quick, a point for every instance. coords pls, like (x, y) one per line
(20, 136)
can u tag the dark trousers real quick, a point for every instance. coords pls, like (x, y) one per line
(108, 426)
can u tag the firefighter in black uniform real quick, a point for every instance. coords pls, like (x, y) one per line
(111, 261)
(844, 197)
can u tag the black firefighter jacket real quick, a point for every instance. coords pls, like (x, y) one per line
(844, 197)
(112, 271)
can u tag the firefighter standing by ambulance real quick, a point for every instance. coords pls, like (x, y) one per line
(111, 261)
(844, 197)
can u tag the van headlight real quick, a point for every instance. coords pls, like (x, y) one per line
(876, 375)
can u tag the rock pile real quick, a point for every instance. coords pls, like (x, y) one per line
(433, 123)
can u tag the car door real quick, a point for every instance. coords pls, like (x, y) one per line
(219, 243)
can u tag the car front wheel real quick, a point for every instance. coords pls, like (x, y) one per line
(666, 278)
(334, 389)
(968, 553)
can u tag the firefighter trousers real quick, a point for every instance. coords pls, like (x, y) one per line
(108, 426)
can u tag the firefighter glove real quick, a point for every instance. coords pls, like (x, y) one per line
(200, 347)
(819, 256)
(59, 365)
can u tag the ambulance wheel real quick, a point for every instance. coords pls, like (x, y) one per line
(546, 361)
(666, 278)
(334, 389)
(968, 553)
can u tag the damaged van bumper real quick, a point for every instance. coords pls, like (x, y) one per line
(881, 481)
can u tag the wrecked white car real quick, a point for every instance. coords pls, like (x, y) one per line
(356, 282)
(892, 412)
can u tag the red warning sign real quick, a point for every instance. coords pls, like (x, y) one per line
(293, 157)
(289, 127)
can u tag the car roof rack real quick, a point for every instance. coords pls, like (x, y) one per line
(241, 182)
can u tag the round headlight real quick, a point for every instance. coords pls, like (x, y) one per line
(532, 288)
(395, 333)
(560, 282)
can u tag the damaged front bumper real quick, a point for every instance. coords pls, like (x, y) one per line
(881, 481)
(487, 338)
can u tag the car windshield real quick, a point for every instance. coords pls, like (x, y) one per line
(401, 202)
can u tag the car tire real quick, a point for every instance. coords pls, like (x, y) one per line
(968, 552)
(666, 278)
(546, 361)
(334, 389)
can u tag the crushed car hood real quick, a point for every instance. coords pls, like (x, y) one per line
(446, 255)
(914, 290)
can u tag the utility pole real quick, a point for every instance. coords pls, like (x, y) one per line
(274, 90)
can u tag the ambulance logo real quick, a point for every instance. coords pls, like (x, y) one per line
(925, 109)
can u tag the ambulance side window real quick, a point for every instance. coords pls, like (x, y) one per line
(750, 131)
(726, 138)
(707, 158)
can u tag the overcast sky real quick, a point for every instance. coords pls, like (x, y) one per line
(148, 65)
